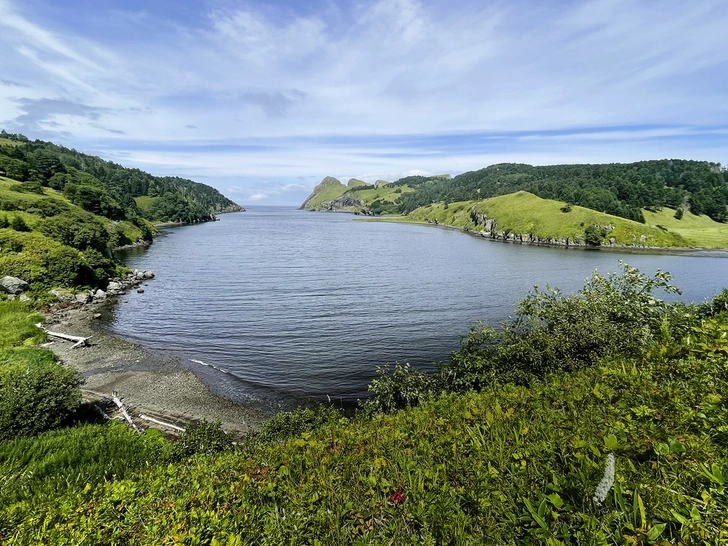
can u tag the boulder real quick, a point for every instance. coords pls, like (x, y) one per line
(114, 286)
(13, 285)
(99, 295)
(84, 297)
(23, 297)
(148, 275)
(62, 294)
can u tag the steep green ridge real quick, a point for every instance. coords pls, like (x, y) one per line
(327, 190)
(527, 217)
(108, 189)
(357, 196)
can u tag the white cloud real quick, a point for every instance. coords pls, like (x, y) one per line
(378, 89)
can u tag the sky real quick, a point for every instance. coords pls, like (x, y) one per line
(262, 99)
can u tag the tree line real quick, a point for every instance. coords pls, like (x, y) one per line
(619, 189)
(106, 188)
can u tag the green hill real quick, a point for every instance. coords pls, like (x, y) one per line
(327, 190)
(523, 215)
(108, 189)
(619, 189)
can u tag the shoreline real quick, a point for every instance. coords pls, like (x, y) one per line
(639, 249)
(151, 383)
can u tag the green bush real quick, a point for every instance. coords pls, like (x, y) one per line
(36, 392)
(550, 332)
(78, 230)
(28, 187)
(288, 424)
(4, 222)
(593, 235)
(201, 438)
(401, 387)
(18, 224)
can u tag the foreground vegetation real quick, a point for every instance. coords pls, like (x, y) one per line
(505, 444)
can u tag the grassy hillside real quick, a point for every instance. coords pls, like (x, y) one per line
(105, 188)
(327, 190)
(524, 213)
(699, 231)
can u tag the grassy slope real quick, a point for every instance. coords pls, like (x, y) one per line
(698, 230)
(8, 142)
(384, 194)
(522, 212)
(509, 465)
(328, 192)
(127, 230)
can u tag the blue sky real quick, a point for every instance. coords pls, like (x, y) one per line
(263, 99)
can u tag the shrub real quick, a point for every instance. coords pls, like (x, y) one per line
(679, 213)
(201, 438)
(77, 229)
(4, 222)
(36, 392)
(28, 187)
(566, 208)
(401, 387)
(594, 234)
(287, 424)
(18, 224)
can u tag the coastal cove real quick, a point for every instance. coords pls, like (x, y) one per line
(277, 307)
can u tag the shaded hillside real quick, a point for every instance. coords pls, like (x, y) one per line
(106, 188)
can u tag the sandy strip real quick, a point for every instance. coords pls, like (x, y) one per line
(151, 383)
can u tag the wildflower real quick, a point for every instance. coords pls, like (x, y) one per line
(600, 494)
(397, 497)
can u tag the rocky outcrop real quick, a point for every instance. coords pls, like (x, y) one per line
(13, 285)
(341, 203)
(380, 183)
(115, 287)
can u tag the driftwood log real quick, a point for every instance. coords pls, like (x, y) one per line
(125, 413)
(79, 341)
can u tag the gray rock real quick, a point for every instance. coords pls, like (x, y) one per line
(113, 286)
(100, 295)
(85, 297)
(62, 294)
(13, 285)
(140, 291)
(97, 315)
(148, 275)
(23, 297)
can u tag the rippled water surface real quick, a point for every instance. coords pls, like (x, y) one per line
(285, 306)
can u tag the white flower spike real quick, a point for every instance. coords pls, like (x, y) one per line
(600, 495)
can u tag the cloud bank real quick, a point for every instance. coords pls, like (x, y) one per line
(262, 100)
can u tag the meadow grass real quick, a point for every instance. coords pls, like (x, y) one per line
(699, 231)
(18, 325)
(525, 213)
(508, 465)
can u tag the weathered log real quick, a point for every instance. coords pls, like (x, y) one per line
(79, 341)
(153, 420)
(125, 413)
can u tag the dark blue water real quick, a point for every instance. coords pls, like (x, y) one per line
(286, 306)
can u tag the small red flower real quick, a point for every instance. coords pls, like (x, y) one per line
(397, 497)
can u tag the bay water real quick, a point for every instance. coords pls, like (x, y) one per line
(277, 307)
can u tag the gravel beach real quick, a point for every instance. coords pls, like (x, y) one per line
(150, 383)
